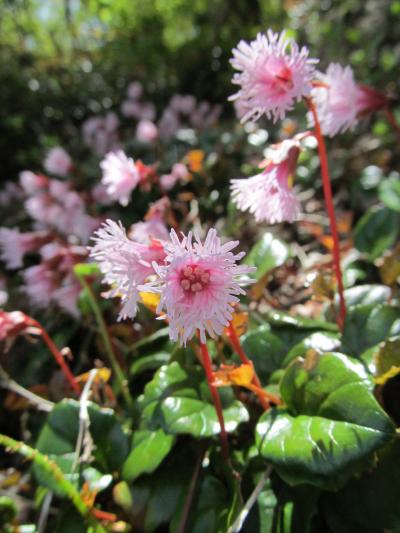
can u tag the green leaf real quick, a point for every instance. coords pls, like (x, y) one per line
(376, 231)
(149, 362)
(370, 501)
(320, 341)
(265, 350)
(316, 450)
(282, 319)
(367, 294)
(149, 448)
(178, 401)
(380, 322)
(333, 413)
(389, 193)
(59, 435)
(86, 269)
(267, 254)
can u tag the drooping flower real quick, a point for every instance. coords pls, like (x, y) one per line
(14, 245)
(125, 264)
(58, 162)
(198, 285)
(269, 195)
(120, 176)
(14, 323)
(273, 74)
(340, 100)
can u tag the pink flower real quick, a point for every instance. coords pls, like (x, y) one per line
(180, 171)
(14, 245)
(274, 74)
(167, 181)
(268, 195)
(135, 90)
(120, 176)
(340, 100)
(39, 284)
(199, 284)
(145, 232)
(31, 182)
(58, 162)
(147, 131)
(125, 264)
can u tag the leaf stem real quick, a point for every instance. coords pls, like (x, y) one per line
(392, 120)
(57, 355)
(233, 337)
(118, 372)
(326, 183)
(217, 401)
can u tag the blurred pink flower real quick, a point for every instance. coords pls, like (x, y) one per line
(268, 196)
(14, 245)
(125, 264)
(100, 133)
(32, 182)
(340, 100)
(179, 171)
(39, 284)
(146, 131)
(167, 181)
(135, 90)
(58, 162)
(120, 176)
(145, 232)
(199, 285)
(273, 74)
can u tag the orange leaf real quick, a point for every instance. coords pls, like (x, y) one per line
(239, 322)
(227, 375)
(195, 160)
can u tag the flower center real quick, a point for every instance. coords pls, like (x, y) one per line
(194, 279)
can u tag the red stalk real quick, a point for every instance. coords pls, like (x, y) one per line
(392, 120)
(217, 401)
(243, 357)
(331, 211)
(57, 356)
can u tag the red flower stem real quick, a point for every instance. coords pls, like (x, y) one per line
(217, 401)
(331, 211)
(232, 335)
(57, 356)
(392, 120)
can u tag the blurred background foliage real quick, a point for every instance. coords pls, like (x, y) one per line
(65, 60)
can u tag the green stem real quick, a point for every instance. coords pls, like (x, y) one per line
(118, 372)
(55, 472)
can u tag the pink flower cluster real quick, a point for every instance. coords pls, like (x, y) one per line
(58, 162)
(54, 205)
(183, 111)
(198, 283)
(60, 224)
(100, 133)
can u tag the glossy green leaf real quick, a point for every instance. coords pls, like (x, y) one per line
(316, 450)
(380, 322)
(281, 319)
(389, 193)
(178, 401)
(267, 254)
(320, 341)
(332, 412)
(265, 349)
(149, 448)
(376, 231)
(367, 294)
